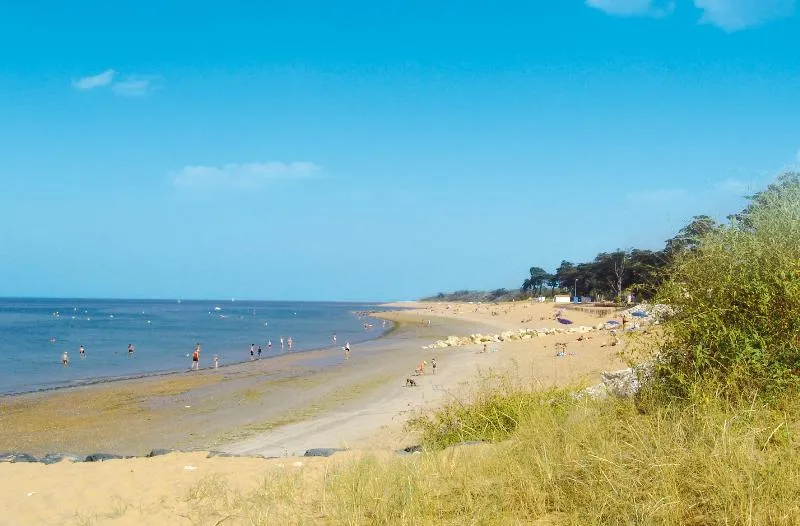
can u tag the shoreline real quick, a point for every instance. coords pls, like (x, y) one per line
(100, 380)
(358, 407)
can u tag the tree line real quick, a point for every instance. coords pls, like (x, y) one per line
(611, 275)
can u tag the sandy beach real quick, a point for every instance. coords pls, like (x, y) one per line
(273, 408)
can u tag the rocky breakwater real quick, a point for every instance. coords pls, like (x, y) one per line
(519, 334)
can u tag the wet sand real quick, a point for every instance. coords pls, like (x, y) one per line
(211, 407)
(277, 407)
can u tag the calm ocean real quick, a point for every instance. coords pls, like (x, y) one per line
(35, 332)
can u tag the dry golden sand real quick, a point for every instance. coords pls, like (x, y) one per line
(360, 404)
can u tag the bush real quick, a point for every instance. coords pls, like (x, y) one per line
(737, 303)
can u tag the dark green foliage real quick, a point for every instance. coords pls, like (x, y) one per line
(736, 296)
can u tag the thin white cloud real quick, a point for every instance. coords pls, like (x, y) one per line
(252, 175)
(132, 87)
(95, 81)
(662, 195)
(735, 186)
(733, 15)
(653, 8)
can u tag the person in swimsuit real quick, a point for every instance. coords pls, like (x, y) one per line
(259, 352)
(130, 350)
(196, 358)
(65, 358)
(82, 351)
(347, 351)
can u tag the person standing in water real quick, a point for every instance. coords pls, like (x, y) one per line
(289, 343)
(347, 351)
(130, 350)
(334, 338)
(281, 343)
(65, 358)
(259, 352)
(196, 358)
(81, 351)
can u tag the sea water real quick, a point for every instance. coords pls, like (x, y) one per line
(34, 333)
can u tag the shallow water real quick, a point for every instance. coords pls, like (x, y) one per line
(35, 332)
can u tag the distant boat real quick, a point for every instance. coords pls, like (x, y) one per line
(217, 308)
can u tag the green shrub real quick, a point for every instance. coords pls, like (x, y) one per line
(737, 303)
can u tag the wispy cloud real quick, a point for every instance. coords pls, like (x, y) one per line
(132, 87)
(653, 8)
(252, 175)
(730, 15)
(129, 86)
(733, 15)
(735, 186)
(661, 195)
(95, 81)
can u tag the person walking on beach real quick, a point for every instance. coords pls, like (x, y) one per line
(259, 352)
(81, 351)
(196, 358)
(347, 351)
(281, 343)
(433, 365)
(65, 359)
(252, 352)
(130, 350)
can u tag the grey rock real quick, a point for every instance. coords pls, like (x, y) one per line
(322, 452)
(159, 452)
(220, 454)
(101, 457)
(410, 450)
(17, 457)
(54, 458)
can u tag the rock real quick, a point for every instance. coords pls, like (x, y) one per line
(410, 450)
(17, 457)
(220, 454)
(322, 451)
(102, 457)
(55, 458)
(622, 383)
(160, 452)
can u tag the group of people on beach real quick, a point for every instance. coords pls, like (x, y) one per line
(82, 353)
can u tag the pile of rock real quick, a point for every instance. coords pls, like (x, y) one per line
(623, 383)
(648, 313)
(519, 334)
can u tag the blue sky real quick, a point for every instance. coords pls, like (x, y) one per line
(347, 150)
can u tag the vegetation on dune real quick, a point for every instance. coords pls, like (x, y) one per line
(736, 298)
(710, 439)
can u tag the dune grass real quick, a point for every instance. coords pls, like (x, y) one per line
(552, 458)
